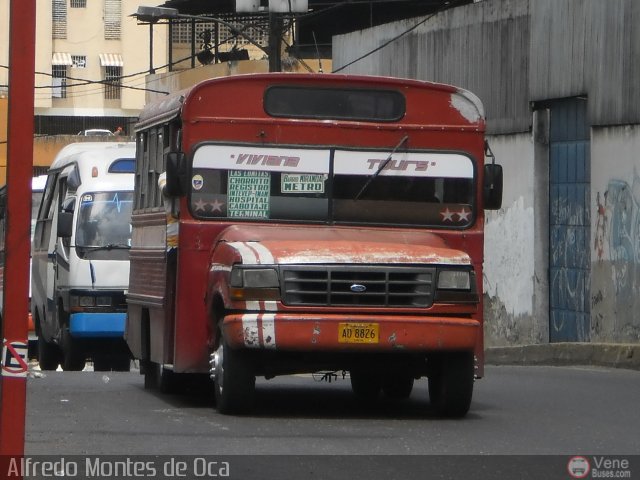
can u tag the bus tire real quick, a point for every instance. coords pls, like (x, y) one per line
(235, 380)
(397, 387)
(451, 383)
(365, 385)
(48, 355)
(73, 359)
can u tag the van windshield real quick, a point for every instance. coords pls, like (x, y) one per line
(103, 230)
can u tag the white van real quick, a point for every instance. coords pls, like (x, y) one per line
(80, 257)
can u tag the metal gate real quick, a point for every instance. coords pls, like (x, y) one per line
(569, 217)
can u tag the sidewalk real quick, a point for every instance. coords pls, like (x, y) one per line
(598, 354)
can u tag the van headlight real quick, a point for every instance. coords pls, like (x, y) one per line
(249, 283)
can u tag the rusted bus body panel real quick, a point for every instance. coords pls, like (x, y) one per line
(150, 289)
(319, 333)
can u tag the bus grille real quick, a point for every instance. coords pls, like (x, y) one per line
(353, 286)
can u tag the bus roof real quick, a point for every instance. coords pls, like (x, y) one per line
(468, 105)
(108, 150)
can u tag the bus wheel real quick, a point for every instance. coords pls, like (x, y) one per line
(48, 354)
(451, 383)
(365, 385)
(397, 386)
(72, 355)
(234, 379)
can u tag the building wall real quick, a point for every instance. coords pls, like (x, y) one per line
(519, 56)
(588, 47)
(85, 36)
(482, 47)
(615, 256)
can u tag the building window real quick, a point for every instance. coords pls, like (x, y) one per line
(78, 4)
(112, 19)
(59, 18)
(79, 61)
(113, 82)
(256, 29)
(59, 81)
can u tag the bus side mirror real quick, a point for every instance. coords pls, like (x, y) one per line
(65, 224)
(492, 188)
(176, 174)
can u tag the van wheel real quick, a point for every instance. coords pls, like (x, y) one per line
(451, 383)
(48, 355)
(397, 387)
(73, 356)
(235, 380)
(121, 362)
(365, 385)
(105, 362)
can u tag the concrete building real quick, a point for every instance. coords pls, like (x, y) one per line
(91, 61)
(559, 82)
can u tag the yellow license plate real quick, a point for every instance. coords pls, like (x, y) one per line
(358, 332)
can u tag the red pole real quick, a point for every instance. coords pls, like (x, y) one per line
(13, 381)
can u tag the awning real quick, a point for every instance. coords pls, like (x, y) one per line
(111, 60)
(61, 59)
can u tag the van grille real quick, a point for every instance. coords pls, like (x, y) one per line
(352, 286)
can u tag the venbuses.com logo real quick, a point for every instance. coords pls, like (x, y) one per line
(578, 467)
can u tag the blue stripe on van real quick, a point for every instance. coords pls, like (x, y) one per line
(97, 324)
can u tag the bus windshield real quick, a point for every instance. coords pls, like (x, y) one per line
(103, 229)
(332, 186)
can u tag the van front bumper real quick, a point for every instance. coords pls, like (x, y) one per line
(100, 325)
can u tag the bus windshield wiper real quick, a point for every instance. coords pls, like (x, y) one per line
(108, 246)
(381, 167)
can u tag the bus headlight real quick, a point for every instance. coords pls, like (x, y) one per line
(254, 284)
(454, 280)
(456, 285)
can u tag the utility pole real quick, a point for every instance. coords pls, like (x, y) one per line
(275, 42)
(13, 380)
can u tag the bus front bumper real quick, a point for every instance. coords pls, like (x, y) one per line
(374, 333)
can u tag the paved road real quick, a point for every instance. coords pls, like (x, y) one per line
(525, 422)
(516, 410)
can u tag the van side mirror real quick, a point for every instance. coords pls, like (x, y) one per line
(65, 224)
(492, 188)
(176, 168)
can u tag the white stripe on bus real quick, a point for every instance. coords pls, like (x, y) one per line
(249, 256)
(250, 330)
(269, 330)
(264, 254)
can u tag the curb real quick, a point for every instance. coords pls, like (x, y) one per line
(597, 354)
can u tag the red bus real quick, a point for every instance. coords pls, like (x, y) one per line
(325, 223)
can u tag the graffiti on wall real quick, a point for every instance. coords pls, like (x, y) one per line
(618, 231)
